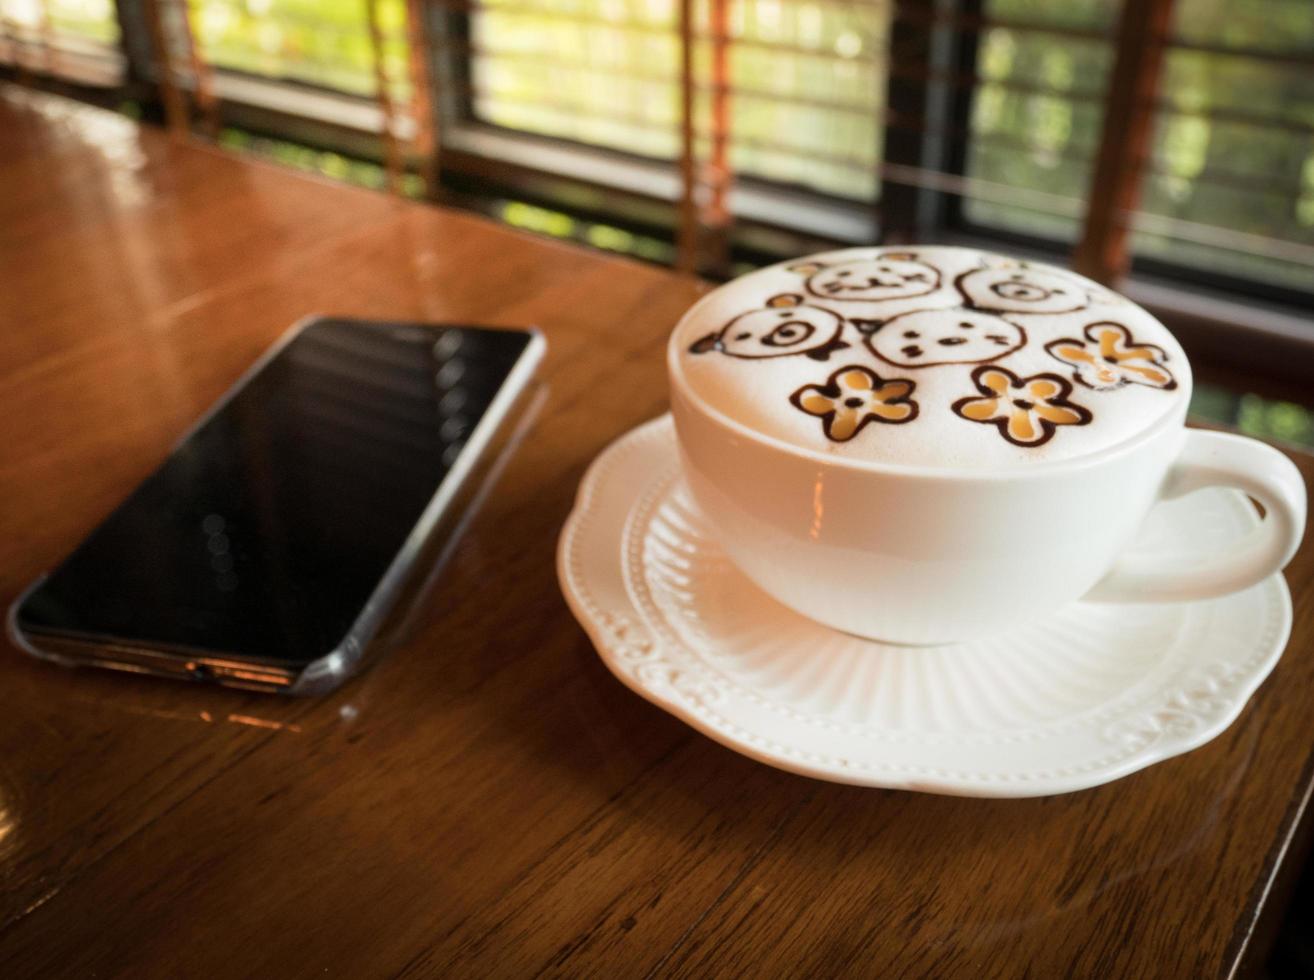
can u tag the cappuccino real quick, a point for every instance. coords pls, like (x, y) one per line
(930, 356)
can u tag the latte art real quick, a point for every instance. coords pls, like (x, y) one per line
(784, 326)
(929, 337)
(1021, 290)
(931, 356)
(891, 275)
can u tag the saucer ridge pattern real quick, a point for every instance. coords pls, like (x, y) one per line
(1094, 693)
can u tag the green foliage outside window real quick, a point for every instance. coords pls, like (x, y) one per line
(1224, 178)
(89, 20)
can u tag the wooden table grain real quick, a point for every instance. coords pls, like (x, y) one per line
(488, 801)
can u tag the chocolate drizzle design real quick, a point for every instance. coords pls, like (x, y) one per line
(1027, 411)
(1113, 359)
(852, 398)
(1020, 289)
(931, 338)
(888, 276)
(899, 306)
(786, 326)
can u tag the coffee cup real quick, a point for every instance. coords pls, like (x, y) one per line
(923, 445)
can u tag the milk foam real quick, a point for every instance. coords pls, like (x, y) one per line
(932, 356)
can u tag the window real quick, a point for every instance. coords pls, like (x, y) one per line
(76, 39)
(809, 120)
(800, 82)
(1229, 183)
(1036, 114)
(321, 44)
(1230, 188)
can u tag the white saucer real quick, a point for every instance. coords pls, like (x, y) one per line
(1089, 695)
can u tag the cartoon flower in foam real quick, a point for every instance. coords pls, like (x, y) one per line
(1027, 411)
(1110, 358)
(852, 398)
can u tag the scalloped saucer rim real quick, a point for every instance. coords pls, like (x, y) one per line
(643, 635)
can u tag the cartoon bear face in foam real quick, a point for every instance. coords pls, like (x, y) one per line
(893, 275)
(785, 326)
(1019, 288)
(929, 338)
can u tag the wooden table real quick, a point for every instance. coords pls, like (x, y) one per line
(488, 800)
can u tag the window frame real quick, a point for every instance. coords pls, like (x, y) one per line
(642, 195)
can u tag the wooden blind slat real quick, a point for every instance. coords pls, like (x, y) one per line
(383, 95)
(176, 114)
(423, 97)
(1102, 252)
(687, 235)
(202, 72)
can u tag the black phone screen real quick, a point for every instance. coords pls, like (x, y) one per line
(265, 533)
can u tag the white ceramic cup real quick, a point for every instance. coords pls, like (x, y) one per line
(924, 555)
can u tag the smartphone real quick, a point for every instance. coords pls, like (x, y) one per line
(268, 547)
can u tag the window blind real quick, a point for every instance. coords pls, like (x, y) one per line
(847, 120)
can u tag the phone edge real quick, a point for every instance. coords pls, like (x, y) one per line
(326, 673)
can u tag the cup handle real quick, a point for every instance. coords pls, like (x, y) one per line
(1219, 459)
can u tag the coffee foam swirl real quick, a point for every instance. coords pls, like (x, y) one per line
(931, 356)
